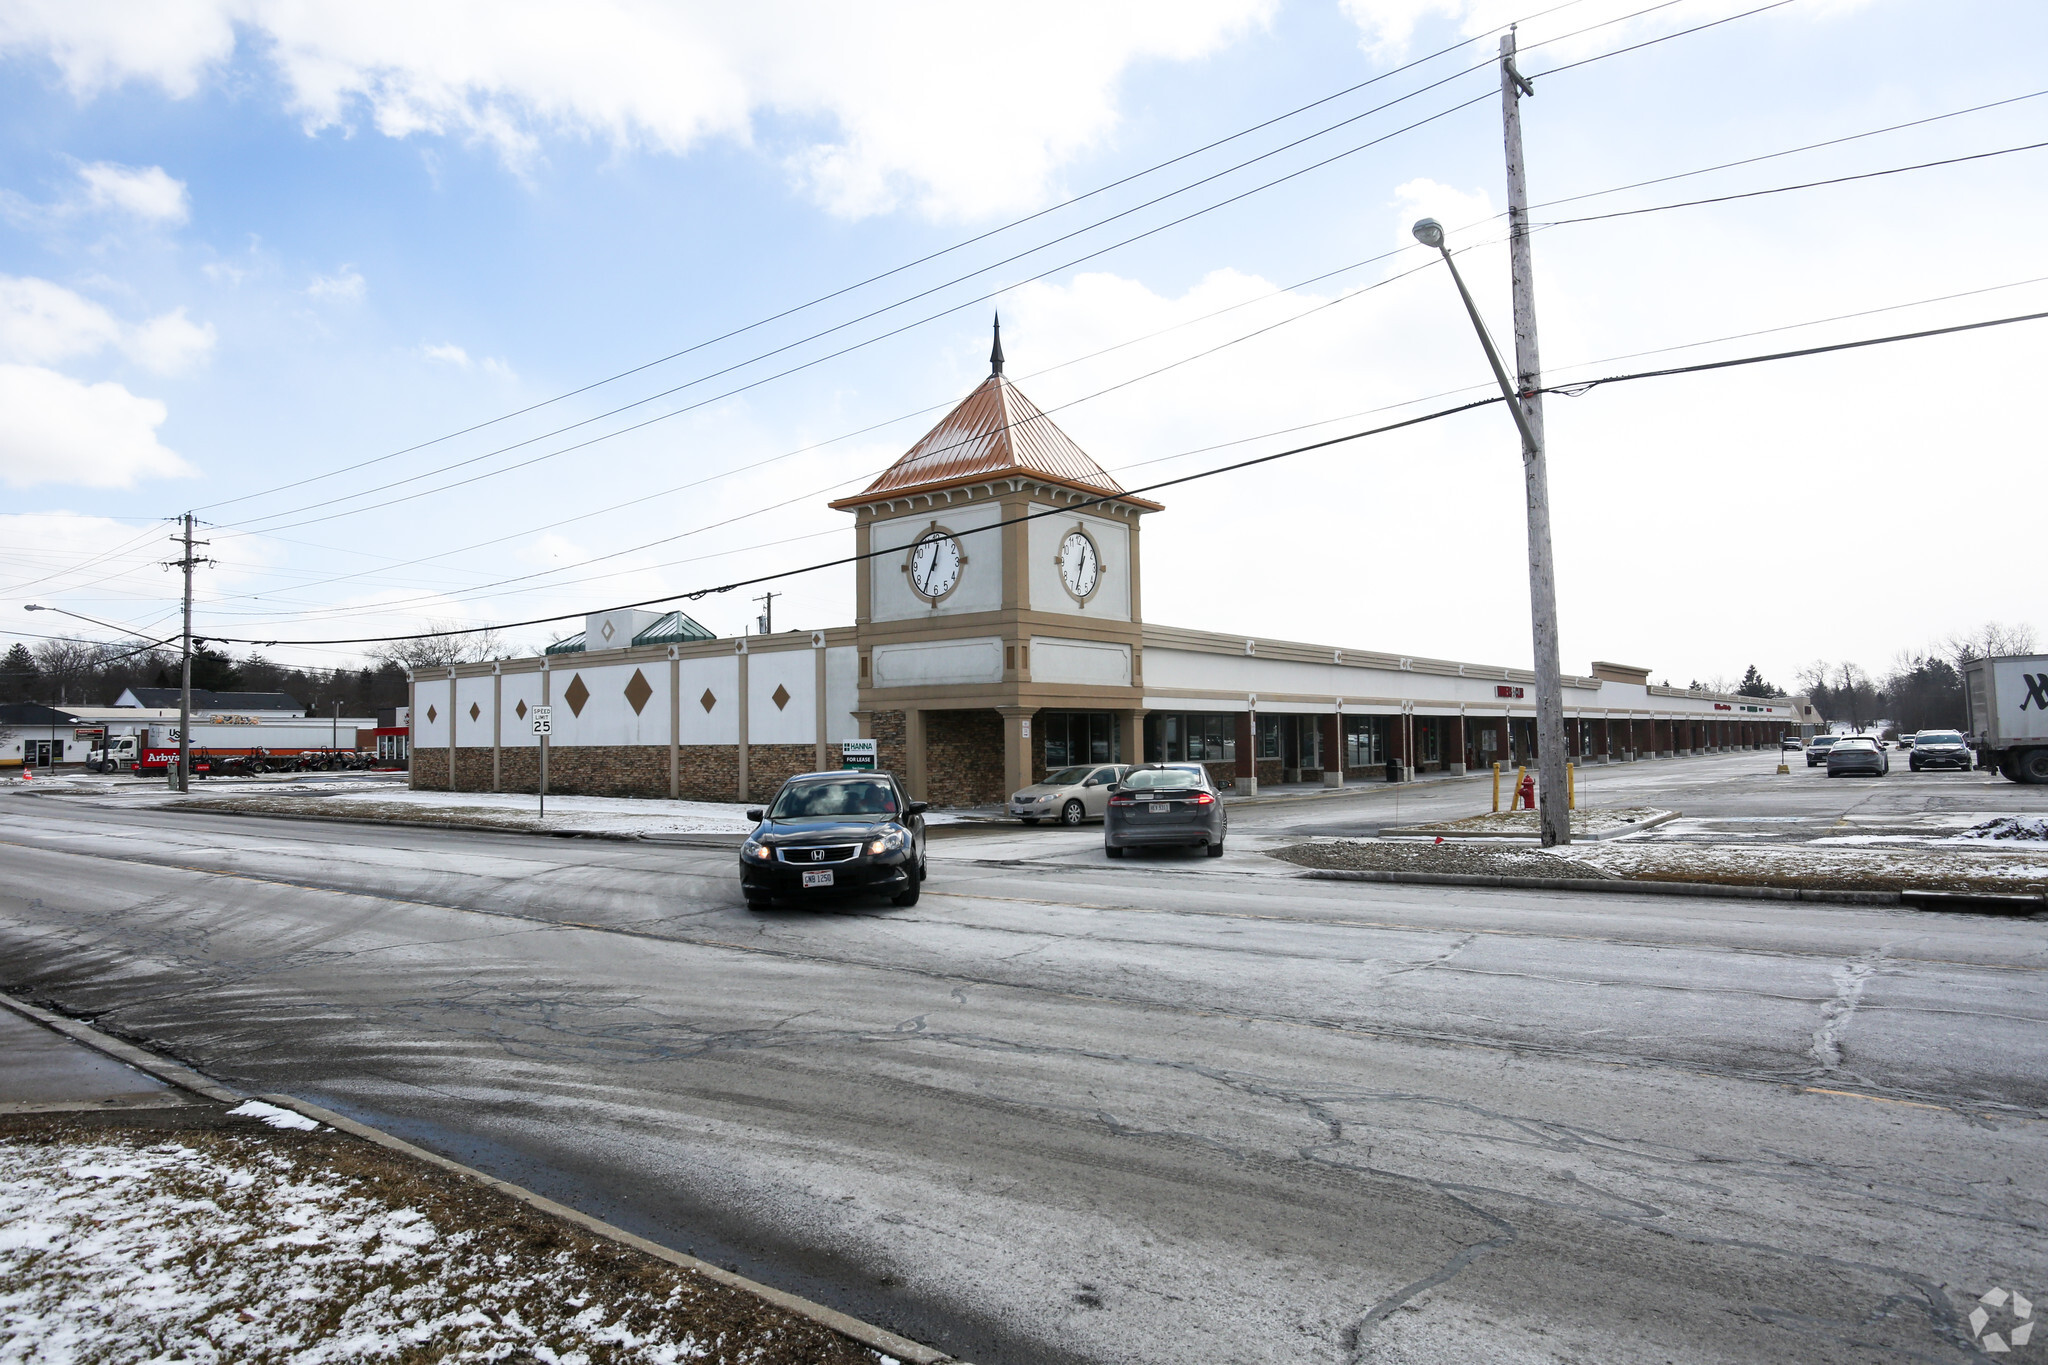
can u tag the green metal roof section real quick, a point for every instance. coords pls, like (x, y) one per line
(672, 629)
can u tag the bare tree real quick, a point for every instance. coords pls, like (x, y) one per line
(1989, 641)
(68, 667)
(434, 650)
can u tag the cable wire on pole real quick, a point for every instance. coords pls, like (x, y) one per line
(1438, 414)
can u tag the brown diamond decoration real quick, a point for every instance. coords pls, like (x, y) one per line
(576, 695)
(430, 714)
(638, 690)
(520, 710)
(473, 711)
(781, 697)
(707, 701)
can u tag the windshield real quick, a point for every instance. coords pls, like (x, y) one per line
(1159, 779)
(1822, 741)
(1066, 777)
(1856, 743)
(851, 796)
(1937, 737)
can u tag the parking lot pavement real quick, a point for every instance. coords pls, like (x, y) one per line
(1063, 1112)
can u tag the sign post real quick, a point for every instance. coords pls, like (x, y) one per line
(543, 725)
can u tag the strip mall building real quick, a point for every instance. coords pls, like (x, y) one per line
(999, 634)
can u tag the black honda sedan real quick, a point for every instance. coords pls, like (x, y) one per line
(835, 834)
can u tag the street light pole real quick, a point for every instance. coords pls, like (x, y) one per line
(1554, 812)
(1525, 405)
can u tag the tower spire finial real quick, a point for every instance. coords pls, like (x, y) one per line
(995, 357)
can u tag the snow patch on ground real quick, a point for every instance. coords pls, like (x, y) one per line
(274, 1116)
(116, 1253)
(2018, 828)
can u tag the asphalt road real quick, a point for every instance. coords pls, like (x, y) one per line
(1163, 1110)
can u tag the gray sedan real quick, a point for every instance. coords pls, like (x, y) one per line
(1164, 803)
(1858, 754)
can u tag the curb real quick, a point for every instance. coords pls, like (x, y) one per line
(202, 808)
(867, 1334)
(1982, 902)
(1753, 893)
(1662, 817)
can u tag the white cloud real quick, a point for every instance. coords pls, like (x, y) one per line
(169, 343)
(345, 285)
(1023, 97)
(147, 192)
(450, 354)
(61, 431)
(1386, 27)
(42, 323)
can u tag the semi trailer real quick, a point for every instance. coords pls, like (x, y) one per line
(2008, 701)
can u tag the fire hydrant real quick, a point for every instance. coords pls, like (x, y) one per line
(1525, 795)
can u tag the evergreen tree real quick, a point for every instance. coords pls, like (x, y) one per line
(1753, 685)
(19, 675)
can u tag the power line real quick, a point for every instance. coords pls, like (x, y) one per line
(1786, 189)
(1791, 151)
(1224, 203)
(815, 361)
(956, 246)
(1569, 390)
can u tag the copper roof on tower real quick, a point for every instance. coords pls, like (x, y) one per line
(995, 431)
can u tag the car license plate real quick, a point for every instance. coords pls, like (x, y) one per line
(817, 879)
(1162, 807)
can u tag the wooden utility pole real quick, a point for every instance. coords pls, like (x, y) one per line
(1553, 811)
(181, 780)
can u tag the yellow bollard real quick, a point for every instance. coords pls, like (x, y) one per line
(1496, 789)
(1571, 787)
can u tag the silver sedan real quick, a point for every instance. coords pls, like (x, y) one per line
(1069, 796)
(1858, 754)
(1165, 803)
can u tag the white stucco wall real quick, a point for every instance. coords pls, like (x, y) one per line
(796, 722)
(1080, 662)
(720, 676)
(1112, 597)
(978, 659)
(842, 694)
(518, 729)
(981, 576)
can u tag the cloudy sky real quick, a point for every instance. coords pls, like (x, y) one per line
(483, 312)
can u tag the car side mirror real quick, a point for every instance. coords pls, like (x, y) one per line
(1115, 787)
(757, 815)
(1092, 782)
(917, 808)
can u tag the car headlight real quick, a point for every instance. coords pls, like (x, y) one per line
(888, 842)
(758, 852)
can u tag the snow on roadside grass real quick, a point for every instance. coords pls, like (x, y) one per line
(2020, 828)
(232, 1246)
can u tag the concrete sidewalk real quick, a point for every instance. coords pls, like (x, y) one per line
(46, 1072)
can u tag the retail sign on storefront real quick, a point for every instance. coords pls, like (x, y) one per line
(1503, 690)
(857, 753)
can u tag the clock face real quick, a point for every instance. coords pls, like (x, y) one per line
(935, 564)
(1078, 564)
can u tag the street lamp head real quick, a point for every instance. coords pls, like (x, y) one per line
(1429, 232)
(30, 606)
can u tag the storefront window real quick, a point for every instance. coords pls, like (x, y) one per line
(1080, 737)
(1175, 738)
(1365, 742)
(1269, 736)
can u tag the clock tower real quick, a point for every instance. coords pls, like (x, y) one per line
(997, 579)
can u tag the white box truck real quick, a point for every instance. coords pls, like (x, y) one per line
(2009, 714)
